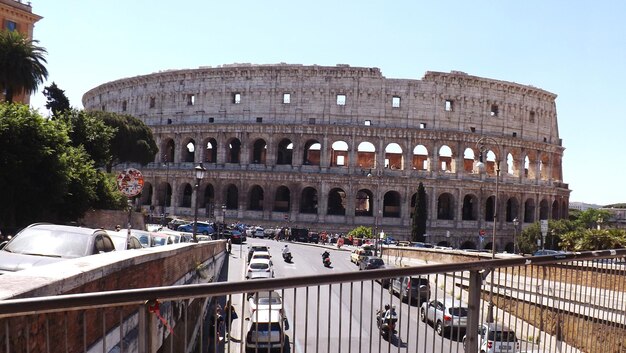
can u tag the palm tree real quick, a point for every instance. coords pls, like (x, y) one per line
(21, 65)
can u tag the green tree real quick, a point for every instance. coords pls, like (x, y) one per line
(419, 215)
(21, 64)
(93, 134)
(589, 218)
(132, 142)
(56, 100)
(42, 176)
(361, 232)
(594, 239)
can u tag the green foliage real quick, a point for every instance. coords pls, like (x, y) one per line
(132, 142)
(594, 239)
(109, 197)
(361, 232)
(56, 100)
(91, 133)
(21, 64)
(420, 215)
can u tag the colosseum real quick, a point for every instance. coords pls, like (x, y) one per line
(334, 147)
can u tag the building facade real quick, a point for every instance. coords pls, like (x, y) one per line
(333, 148)
(18, 16)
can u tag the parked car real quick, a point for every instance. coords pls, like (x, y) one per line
(254, 248)
(42, 243)
(261, 255)
(445, 314)
(266, 331)
(235, 236)
(371, 263)
(202, 228)
(548, 252)
(411, 288)
(314, 237)
(389, 241)
(123, 242)
(175, 223)
(267, 300)
(495, 338)
(358, 254)
(385, 282)
(422, 245)
(260, 268)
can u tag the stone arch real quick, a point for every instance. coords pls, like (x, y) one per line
(564, 210)
(392, 204)
(339, 156)
(394, 158)
(512, 209)
(282, 199)
(445, 206)
(256, 198)
(210, 150)
(209, 200)
(366, 155)
(527, 167)
(188, 151)
(284, 153)
(544, 166)
(233, 148)
(168, 147)
(337, 200)
(469, 212)
(468, 160)
(420, 158)
(363, 203)
(529, 211)
(312, 153)
(555, 210)
(146, 194)
(413, 200)
(490, 208)
(510, 164)
(165, 194)
(232, 197)
(544, 209)
(509, 248)
(446, 158)
(186, 191)
(308, 200)
(468, 244)
(259, 151)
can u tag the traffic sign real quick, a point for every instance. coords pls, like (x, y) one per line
(130, 182)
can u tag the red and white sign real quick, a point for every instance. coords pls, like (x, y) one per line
(482, 232)
(130, 182)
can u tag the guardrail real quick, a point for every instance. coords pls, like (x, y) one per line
(564, 303)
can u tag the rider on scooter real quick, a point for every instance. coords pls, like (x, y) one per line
(325, 254)
(286, 251)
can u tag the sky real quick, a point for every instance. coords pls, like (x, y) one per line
(575, 49)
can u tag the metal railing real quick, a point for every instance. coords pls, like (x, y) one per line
(564, 303)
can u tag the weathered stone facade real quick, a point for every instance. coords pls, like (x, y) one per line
(336, 147)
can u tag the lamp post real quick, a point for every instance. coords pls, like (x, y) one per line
(515, 224)
(167, 183)
(199, 171)
(481, 144)
(378, 212)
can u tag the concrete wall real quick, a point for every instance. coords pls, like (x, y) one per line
(176, 264)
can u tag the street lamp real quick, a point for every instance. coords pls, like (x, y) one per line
(515, 224)
(379, 212)
(200, 171)
(481, 144)
(167, 182)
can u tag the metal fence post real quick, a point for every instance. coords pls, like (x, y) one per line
(473, 317)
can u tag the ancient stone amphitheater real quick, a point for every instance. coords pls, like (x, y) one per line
(331, 148)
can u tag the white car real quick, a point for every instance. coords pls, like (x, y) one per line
(269, 300)
(259, 232)
(260, 268)
(261, 255)
(495, 338)
(445, 314)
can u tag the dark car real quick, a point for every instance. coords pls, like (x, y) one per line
(202, 228)
(371, 263)
(314, 237)
(411, 288)
(41, 243)
(385, 282)
(235, 236)
(300, 234)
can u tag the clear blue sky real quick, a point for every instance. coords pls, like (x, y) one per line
(574, 48)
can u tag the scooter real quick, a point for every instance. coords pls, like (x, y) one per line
(387, 327)
(287, 257)
(326, 260)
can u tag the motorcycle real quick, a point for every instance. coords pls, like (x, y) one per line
(287, 257)
(326, 260)
(386, 326)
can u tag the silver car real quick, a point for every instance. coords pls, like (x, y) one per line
(445, 314)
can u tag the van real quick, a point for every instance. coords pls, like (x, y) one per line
(411, 288)
(266, 331)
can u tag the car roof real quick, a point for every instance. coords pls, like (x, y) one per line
(266, 315)
(497, 326)
(58, 227)
(260, 260)
(267, 294)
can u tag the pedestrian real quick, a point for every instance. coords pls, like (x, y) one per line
(217, 323)
(231, 314)
(229, 245)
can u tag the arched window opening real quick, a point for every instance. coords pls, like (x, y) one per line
(312, 153)
(259, 151)
(282, 199)
(166, 191)
(234, 151)
(420, 158)
(512, 209)
(146, 194)
(255, 198)
(308, 201)
(555, 210)
(337, 202)
(445, 207)
(210, 154)
(391, 204)
(468, 245)
(445, 159)
(189, 153)
(394, 158)
(232, 197)
(363, 204)
(468, 160)
(186, 199)
(544, 209)
(510, 164)
(470, 208)
(209, 201)
(339, 154)
(490, 209)
(526, 167)
(529, 211)
(366, 155)
(285, 152)
(169, 149)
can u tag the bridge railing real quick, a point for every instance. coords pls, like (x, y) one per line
(562, 303)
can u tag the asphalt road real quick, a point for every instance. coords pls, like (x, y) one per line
(338, 318)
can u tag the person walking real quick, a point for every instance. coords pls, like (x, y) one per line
(229, 245)
(231, 314)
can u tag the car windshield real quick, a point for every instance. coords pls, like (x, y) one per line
(51, 242)
(260, 256)
(502, 336)
(268, 301)
(366, 253)
(259, 266)
(265, 326)
(377, 262)
(461, 312)
(416, 282)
